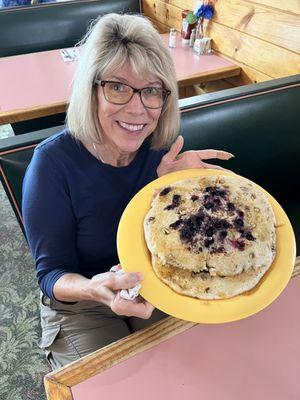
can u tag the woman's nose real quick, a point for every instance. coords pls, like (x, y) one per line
(135, 104)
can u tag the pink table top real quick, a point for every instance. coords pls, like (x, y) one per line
(38, 82)
(30, 80)
(255, 358)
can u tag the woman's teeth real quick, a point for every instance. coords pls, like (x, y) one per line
(131, 127)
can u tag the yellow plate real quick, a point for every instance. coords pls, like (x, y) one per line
(135, 256)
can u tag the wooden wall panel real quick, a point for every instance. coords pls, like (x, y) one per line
(262, 36)
(292, 6)
(272, 60)
(274, 26)
(163, 12)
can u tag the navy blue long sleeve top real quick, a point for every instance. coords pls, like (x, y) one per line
(72, 204)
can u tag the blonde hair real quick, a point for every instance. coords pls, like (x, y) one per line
(110, 42)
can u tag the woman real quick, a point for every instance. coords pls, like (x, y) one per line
(123, 114)
(17, 3)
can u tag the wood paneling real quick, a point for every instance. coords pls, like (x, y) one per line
(266, 57)
(163, 13)
(292, 6)
(274, 26)
(263, 36)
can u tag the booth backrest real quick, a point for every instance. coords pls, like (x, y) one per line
(53, 25)
(258, 123)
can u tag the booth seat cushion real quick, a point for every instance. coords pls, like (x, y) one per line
(53, 25)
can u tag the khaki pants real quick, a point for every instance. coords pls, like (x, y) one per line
(71, 331)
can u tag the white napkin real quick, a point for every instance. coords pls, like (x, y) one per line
(127, 294)
(70, 54)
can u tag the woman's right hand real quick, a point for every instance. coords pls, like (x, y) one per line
(106, 287)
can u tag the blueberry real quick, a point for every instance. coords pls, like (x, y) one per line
(186, 235)
(175, 224)
(249, 236)
(169, 207)
(190, 226)
(225, 224)
(199, 220)
(240, 245)
(165, 191)
(209, 231)
(223, 234)
(200, 215)
(194, 221)
(217, 224)
(218, 250)
(208, 206)
(230, 206)
(208, 242)
(176, 200)
(240, 213)
(220, 192)
(238, 223)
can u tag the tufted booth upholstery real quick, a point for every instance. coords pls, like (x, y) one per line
(53, 25)
(259, 123)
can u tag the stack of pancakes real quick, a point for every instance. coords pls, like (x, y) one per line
(211, 237)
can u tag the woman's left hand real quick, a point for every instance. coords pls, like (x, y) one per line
(173, 161)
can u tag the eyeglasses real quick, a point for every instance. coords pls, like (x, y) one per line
(119, 93)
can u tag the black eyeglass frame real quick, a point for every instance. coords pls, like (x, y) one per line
(166, 93)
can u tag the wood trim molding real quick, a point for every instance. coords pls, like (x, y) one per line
(32, 113)
(226, 72)
(57, 391)
(58, 383)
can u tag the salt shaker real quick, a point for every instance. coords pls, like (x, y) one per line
(192, 37)
(172, 38)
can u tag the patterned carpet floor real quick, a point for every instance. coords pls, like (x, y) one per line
(22, 364)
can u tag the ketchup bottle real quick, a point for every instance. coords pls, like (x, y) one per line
(186, 28)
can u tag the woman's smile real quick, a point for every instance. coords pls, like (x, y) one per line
(132, 128)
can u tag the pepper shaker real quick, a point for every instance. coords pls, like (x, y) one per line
(172, 38)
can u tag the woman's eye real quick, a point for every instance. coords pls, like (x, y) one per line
(152, 91)
(117, 87)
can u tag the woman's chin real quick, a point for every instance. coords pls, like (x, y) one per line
(132, 145)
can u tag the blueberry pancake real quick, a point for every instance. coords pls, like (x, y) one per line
(215, 232)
